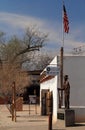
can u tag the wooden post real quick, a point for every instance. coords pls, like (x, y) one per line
(29, 105)
(50, 110)
(61, 76)
(13, 102)
(35, 101)
(50, 121)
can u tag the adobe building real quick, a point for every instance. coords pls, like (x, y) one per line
(49, 83)
(74, 66)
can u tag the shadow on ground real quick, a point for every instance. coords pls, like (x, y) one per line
(79, 124)
(58, 129)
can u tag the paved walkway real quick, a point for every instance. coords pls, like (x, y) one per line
(30, 122)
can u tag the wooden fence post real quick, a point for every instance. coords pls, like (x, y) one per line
(13, 102)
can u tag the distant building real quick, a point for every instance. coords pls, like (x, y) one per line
(34, 87)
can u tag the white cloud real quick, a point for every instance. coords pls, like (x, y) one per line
(16, 22)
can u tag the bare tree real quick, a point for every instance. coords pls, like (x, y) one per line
(39, 62)
(13, 53)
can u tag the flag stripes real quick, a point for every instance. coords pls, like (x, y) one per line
(65, 20)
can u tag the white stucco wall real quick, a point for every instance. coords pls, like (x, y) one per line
(74, 66)
(52, 86)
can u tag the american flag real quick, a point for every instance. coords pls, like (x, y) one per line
(65, 20)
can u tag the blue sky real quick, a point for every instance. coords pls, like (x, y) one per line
(16, 15)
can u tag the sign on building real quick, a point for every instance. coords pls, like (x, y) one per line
(51, 70)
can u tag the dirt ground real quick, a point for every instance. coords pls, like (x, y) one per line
(31, 120)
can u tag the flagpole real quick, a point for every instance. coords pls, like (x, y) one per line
(62, 48)
(61, 60)
(65, 28)
(62, 25)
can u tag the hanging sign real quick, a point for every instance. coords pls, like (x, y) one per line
(51, 70)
